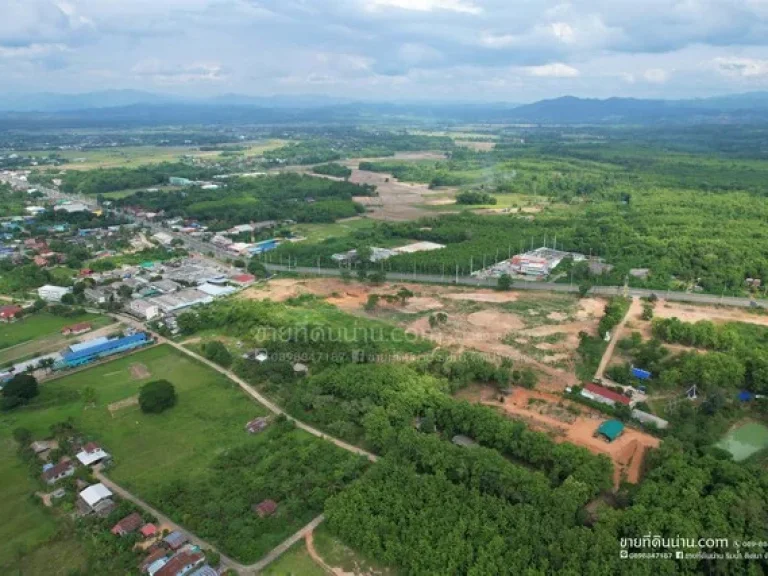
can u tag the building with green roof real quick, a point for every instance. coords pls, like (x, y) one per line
(611, 429)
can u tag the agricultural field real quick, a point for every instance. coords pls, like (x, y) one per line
(26, 526)
(200, 444)
(40, 332)
(134, 156)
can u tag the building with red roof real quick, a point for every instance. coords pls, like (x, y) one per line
(604, 395)
(148, 530)
(243, 279)
(128, 525)
(265, 508)
(10, 312)
(181, 564)
(75, 329)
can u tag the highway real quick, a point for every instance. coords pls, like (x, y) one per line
(528, 285)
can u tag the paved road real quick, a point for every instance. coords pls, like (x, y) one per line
(163, 519)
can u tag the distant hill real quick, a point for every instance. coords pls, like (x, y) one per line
(135, 107)
(572, 110)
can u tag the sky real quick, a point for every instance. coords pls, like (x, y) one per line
(387, 50)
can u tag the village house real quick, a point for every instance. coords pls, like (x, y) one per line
(93, 498)
(76, 329)
(52, 473)
(128, 525)
(92, 454)
(175, 540)
(10, 312)
(181, 564)
(265, 508)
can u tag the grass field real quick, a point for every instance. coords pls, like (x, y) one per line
(25, 524)
(39, 330)
(295, 562)
(320, 232)
(148, 450)
(503, 202)
(132, 156)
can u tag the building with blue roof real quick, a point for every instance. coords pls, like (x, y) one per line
(96, 351)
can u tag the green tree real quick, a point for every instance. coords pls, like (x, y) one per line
(157, 396)
(19, 390)
(257, 268)
(217, 352)
(584, 288)
(504, 282)
(372, 302)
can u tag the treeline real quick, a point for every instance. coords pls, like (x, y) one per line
(333, 169)
(435, 174)
(614, 313)
(425, 520)
(105, 180)
(285, 196)
(708, 335)
(474, 197)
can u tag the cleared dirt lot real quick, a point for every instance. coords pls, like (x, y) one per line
(536, 330)
(551, 414)
(398, 201)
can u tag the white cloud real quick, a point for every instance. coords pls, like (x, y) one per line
(656, 75)
(554, 70)
(31, 51)
(461, 6)
(562, 31)
(742, 67)
(168, 74)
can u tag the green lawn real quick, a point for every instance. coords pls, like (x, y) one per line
(39, 326)
(319, 232)
(295, 562)
(25, 524)
(148, 450)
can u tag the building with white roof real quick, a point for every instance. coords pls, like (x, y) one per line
(95, 494)
(51, 293)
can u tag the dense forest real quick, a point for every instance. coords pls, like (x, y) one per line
(286, 196)
(105, 180)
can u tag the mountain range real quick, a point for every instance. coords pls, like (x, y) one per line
(147, 108)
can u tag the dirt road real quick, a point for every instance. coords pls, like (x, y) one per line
(163, 519)
(634, 310)
(275, 553)
(251, 391)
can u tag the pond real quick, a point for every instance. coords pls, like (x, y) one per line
(745, 440)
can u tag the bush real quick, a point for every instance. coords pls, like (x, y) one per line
(217, 352)
(157, 396)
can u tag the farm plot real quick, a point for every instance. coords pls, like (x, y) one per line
(569, 422)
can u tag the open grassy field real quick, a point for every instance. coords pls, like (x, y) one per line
(132, 156)
(25, 526)
(148, 450)
(39, 330)
(320, 232)
(342, 557)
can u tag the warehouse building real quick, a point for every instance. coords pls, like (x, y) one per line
(96, 349)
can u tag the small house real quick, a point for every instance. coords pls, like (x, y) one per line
(128, 525)
(152, 558)
(92, 454)
(181, 564)
(54, 473)
(175, 540)
(148, 530)
(10, 312)
(265, 508)
(76, 329)
(94, 495)
(257, 425)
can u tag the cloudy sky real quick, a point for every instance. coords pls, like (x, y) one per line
(510, 50)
